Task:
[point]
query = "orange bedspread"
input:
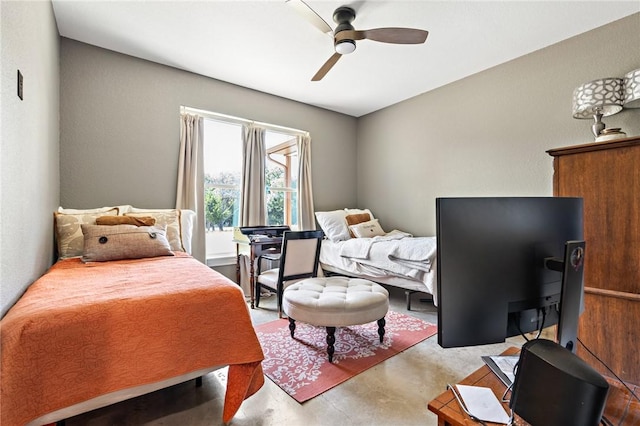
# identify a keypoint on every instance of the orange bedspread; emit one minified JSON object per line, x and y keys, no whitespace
{"x":83,"y":330}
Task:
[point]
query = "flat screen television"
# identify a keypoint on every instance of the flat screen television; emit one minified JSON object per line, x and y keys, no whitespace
{"x":502,"y":266}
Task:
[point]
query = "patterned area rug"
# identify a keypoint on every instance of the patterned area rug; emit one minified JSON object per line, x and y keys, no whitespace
{"x":301,"y":368}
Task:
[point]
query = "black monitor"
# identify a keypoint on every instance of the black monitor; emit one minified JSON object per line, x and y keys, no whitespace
{"x":501,"y":265}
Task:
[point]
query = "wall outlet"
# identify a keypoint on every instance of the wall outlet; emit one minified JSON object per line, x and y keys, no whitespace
{"x":20,"y":85}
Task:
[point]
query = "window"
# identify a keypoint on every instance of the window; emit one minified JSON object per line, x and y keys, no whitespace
{"x":281,"y":179}
{"x":222,"y":151}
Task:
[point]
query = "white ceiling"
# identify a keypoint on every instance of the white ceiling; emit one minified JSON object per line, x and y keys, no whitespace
{"x":267,"y":46}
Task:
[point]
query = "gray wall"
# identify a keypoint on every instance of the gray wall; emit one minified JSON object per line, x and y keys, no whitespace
{"x":486,"y":135}
{"x":119,"y":129}
{"x":29,"y":170}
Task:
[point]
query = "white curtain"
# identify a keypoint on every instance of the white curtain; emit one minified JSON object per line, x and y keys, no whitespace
{"x":245,"y":271}
{"x":306,"y":217}
{"x":253,"y":211}
{"x":190,"y":191}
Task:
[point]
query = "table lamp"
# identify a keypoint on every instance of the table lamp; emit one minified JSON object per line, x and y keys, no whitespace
{"x":597,"y":99}
{"x":632,"y":89}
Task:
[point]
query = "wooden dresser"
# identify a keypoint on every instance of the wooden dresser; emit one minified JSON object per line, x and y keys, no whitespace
{"x":607,"y":176}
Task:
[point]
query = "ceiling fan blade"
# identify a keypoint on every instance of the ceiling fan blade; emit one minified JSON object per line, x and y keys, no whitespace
{"x":310,"y":15}
{"x":326,"y":67}
{"x":386,"y":35}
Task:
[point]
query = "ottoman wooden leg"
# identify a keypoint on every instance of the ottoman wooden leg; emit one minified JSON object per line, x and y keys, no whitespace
{"x":292,"y":326}
{"x":381,"y":324}
{"x":331,"y":339}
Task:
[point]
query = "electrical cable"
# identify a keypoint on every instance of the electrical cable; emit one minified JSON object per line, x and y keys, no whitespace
{"x":624,"y":413}
{"x":605,"y":421}
{"x":504,"y":395}
{"x":544,"y":316}
{"x":464,"y":408}
{"x":519,"y":329}
{"x":540,"y":327}
{"x":610,"y":370}
{"x":626,"y":409}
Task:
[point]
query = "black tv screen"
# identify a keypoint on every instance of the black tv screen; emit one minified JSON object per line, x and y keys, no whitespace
{"x":492,"y":280}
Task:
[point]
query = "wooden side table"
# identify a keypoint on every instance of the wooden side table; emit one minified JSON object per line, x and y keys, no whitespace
{"x":448,"y":410}
{"x":621,"y":408}
{"x":255,"y":249}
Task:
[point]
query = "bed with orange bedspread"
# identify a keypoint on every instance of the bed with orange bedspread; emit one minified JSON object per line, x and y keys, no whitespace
{"x":86,"y":331}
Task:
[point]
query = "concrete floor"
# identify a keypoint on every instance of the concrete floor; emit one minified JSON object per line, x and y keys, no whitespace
{"x":395,"y":392}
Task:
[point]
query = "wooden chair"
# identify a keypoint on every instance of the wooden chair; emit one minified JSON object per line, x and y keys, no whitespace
{"x":298,"y":260}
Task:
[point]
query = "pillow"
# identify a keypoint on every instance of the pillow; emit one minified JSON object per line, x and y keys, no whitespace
{"x":126,"y":220}
{"x":359,"y":211}
{"x":367,"y":229}
{"x":121,"y":210}
{"x":68,"y":230}
{"x":116,"y":242}
{"x":170,"y":218}
{"x":84,"y":211}
{"x":187,"y":220}
{"x":334,"y":224}
{"x":354,"y":219}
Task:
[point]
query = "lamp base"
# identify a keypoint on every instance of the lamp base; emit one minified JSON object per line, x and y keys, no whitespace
{"x":611,"y":134}
{"x":598,"y":126}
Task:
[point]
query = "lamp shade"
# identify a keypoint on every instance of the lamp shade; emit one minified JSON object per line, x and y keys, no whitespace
{"x":604,"y":96}
{"x":632,"y":89}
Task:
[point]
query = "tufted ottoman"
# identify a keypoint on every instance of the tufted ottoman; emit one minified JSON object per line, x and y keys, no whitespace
{"x":335,"y":302}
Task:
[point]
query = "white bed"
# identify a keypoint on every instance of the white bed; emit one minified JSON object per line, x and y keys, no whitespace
{"x":396,"y":258}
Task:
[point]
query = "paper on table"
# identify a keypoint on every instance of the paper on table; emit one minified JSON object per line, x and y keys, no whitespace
{"x":503,"y":367}
{"x":507,"y":365}
{"x":483,"y":404}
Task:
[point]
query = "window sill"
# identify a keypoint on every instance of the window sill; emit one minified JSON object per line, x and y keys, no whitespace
{"x":221,"y":261}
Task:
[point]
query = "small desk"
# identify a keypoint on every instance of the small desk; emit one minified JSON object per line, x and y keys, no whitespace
{"x":620,"y":407}
{"x":254,"y":249}
{"x":449,"y":412}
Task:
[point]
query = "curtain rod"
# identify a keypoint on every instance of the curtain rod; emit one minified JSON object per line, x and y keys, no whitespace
{"x":224,"y":117}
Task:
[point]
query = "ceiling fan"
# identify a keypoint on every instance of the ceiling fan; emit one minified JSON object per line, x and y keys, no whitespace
{"x":345,"y":35}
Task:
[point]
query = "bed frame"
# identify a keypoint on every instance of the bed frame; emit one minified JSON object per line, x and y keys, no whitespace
{"x":85,"y":328}
{"x":410,"y":286}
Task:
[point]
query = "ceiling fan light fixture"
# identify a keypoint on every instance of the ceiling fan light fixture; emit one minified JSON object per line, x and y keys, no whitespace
{"x":345,"y":35}
{"x":344,"y":47}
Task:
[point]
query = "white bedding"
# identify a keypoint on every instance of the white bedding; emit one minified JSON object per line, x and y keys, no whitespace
{"x":418,"y":253}
{"x":396,"y":254}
